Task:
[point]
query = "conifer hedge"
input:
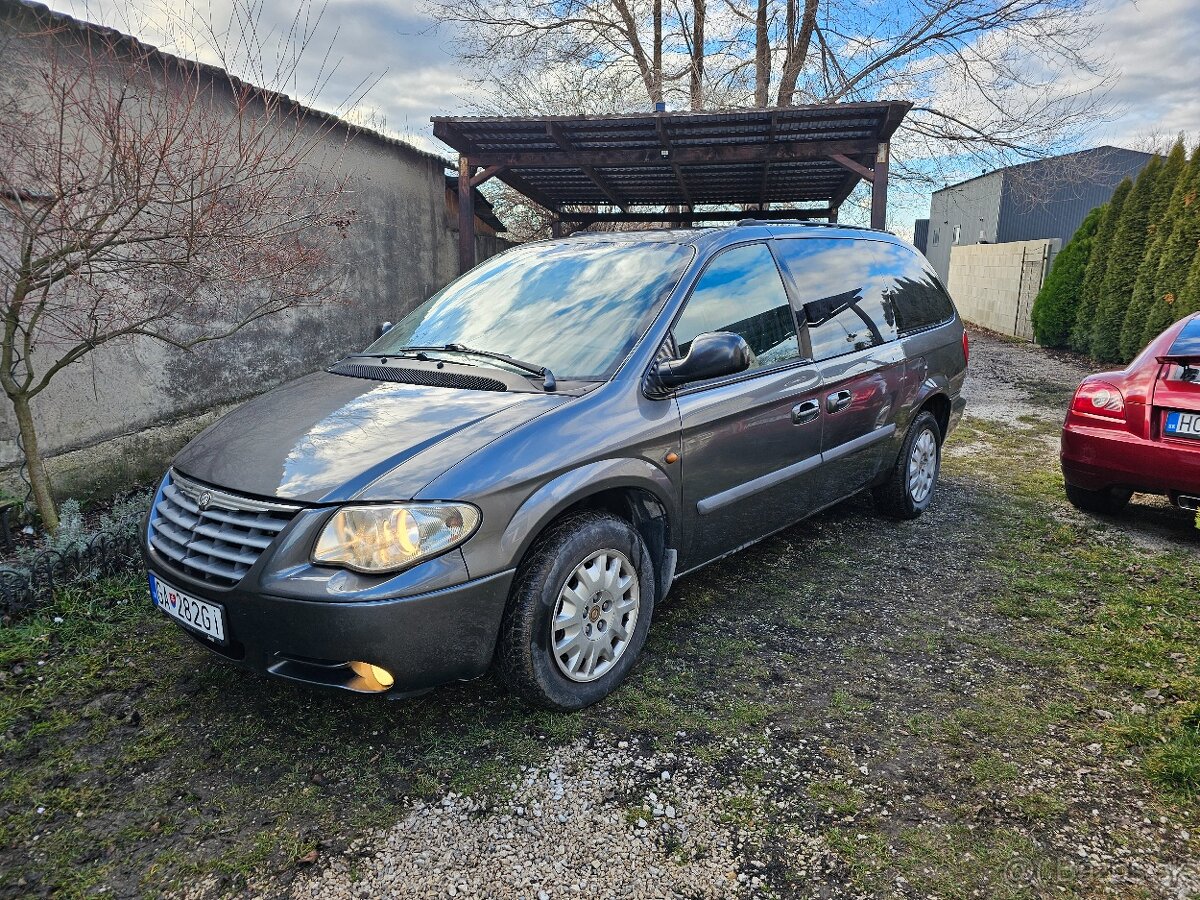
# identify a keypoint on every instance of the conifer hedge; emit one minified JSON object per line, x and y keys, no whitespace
{"x":1058,"y":300}
{"x":1132,"y":268}
{"x":1093,"y":273}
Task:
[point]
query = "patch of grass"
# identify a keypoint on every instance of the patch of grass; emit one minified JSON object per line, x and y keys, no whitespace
{"x":1039,"y":805}
{"x":992,"y":769}
{"x":836,"y":796}
{"x":739,"y":809}
{"x":844,"y":703}
{"x":1115,"y":618}
{"x":1001,"y":863}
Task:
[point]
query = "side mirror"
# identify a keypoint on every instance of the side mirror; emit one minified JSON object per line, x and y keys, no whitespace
{"x":713,"y":354}
{"x":384,"y":328}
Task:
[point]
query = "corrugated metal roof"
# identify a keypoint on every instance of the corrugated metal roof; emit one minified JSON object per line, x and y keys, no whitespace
{"x":687,"y":159}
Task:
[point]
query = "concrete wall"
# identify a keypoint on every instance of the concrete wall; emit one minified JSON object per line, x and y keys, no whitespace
{"x":994,"y":285}
{"x":128,"y":406}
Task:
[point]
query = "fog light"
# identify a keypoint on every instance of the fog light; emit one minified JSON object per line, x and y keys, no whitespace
{"x":377,"y":678}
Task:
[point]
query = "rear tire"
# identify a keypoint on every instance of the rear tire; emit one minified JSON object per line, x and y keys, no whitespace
{"x":1109,"y":501}
{"x":909,"y":489}
{"x":578,"y":613}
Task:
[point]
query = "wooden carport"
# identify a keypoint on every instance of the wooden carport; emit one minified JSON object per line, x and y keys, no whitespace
{"x":684,"y":167}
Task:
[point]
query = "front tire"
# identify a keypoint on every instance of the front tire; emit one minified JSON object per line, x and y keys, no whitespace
{"x":909,"y":489}
{"x":578,"y":613}
{"x":1109,"y":501}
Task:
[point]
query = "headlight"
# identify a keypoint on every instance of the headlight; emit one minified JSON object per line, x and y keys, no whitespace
{"x":387,"y":538}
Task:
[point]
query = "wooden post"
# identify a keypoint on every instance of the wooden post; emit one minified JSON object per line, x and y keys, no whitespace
{"x":466,"y":216}
{"x":556,"y":227}
{"x":879,"y":188}
{"x":833,"y":213}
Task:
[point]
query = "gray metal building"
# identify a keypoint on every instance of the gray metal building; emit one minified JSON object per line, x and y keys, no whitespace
{"x":1046,"y":198}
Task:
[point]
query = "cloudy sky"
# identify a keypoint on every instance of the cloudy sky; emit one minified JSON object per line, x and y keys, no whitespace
{"x":409,"y":64}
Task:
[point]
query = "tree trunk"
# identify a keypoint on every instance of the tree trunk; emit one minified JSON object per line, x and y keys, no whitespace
{"x":700,"y":11}
{"x":762,"y":57}
{"x":658,"y":52}
{"x":797,"y":48}
{"x":39,"y":480}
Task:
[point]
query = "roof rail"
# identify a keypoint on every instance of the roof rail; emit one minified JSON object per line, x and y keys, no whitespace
{"x":809,"y":222}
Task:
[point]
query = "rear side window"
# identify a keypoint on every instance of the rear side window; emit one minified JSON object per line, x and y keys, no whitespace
{"x":919,"y":298}
{"x":846,"y":289}
{"x":741,"y":291}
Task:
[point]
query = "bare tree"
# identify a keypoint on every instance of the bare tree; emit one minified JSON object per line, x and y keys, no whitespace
{"x":145,"y":196}
{"x":992,"y":81}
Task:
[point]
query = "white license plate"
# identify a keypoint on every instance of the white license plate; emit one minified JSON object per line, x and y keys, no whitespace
{"x":199,"y":615}
{"x":1182,"y":424}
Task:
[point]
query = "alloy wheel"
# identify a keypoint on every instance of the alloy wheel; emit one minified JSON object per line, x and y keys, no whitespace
{"x":595,"y":615}
{"x":922,"y":466}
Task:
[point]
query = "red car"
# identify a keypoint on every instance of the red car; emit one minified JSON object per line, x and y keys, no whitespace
{"x":1138,"y":430}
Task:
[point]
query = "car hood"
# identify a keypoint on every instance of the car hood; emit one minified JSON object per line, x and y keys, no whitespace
{"x":330,"y":438}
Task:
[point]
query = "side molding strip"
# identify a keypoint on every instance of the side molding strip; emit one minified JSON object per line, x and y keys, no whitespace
{"x":763,"y":482}
{"x":859,"y":443}
{"x":746,"y":488}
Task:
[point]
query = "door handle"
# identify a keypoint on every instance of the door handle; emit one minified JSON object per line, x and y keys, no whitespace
{"x":805,"y":412}
{"x":838,"y":400}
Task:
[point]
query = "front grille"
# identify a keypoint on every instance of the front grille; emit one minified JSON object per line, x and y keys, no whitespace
{"x":210,"y":534}
{"x":426,"y":377}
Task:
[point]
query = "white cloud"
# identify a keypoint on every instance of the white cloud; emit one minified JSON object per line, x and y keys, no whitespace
{"x":1153,"y":45}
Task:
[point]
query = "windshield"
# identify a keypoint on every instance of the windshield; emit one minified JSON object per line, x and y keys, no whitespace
{"x":575,"y":308}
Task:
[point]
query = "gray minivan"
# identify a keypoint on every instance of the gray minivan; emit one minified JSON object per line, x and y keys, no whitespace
{"x":515,"y":473}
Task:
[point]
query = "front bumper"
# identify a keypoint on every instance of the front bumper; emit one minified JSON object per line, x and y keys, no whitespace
{"x":1096,"y":459}
{"x":423,"y":640}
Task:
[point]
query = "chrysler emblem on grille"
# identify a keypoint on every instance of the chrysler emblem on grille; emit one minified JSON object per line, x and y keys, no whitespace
{"x":205,"y":499}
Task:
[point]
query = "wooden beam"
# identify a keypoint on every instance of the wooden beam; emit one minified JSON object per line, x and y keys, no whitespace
{"x":766,"y":169}
{"x":720,"y":215}
{"x":480,"y":177}
{"x":879,"y":187}
{"x":853,"y":165}
{"x":466,"y":216}
{"x":665,"y":142}
{"x":844,"y":191}
{"x":781,"y":151}
{"x":610,"y":193}
{"x":512,"y":179}
{"x":683,"y":188}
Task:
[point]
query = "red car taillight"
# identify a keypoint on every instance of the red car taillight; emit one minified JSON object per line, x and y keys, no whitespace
{"x":966,"y":348}
{"x":1099,"y":399}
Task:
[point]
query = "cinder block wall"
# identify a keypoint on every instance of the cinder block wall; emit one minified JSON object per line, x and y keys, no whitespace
{"x":994,"y":285}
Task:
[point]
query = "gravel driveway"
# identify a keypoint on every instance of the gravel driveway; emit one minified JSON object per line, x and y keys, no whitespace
{"x":850,"y":783}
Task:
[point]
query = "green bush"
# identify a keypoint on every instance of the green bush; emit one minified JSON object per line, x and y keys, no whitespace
{"x":1058,"y":301}
{"x":1089,"y":293}
{"x":1164,"y":211}
{"x":1124,"y":258}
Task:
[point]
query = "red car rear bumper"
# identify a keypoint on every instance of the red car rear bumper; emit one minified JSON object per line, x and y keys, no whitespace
{"x":1095,"y":458}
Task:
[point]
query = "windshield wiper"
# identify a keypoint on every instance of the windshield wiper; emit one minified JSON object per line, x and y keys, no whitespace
{"x":548,"y":382}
